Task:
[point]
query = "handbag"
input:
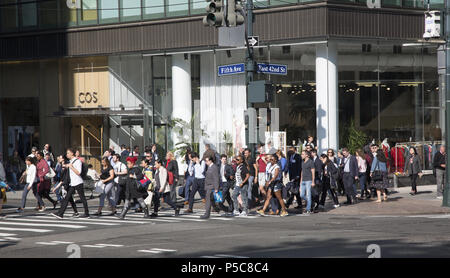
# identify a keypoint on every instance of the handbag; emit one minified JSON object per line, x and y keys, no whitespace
{"x":99,"y":187}
{"x":51,"y":174}
{"x":218,"y":197}
{"x":170,"y":177}
{"x":377,"y":174}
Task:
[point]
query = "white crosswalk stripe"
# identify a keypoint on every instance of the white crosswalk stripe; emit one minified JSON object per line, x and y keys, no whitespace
{"x":218,"y":256}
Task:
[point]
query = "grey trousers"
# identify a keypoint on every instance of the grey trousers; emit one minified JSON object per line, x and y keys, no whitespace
{"x":440,"y":178}
{"x":243,"y":192}
{"x":209,"y":201}
{"x":109,"y":192}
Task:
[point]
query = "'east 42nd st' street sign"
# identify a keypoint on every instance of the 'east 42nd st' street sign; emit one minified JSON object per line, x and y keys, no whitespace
{"x":231,"y":69}
{"x":272,"y":69}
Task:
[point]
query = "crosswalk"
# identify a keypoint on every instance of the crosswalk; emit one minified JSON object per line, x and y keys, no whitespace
{"x":17,"y":226}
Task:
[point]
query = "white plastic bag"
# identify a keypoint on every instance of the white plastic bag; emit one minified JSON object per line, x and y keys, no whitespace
{"x":99,"y":187}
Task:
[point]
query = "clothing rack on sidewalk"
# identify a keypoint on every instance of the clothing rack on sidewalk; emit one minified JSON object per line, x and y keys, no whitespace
{"x":408,"y":145}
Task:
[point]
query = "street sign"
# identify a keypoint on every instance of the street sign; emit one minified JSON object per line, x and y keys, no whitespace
{"x":253,"y":41}
{"x":272,"y":69}
{"x":231,"y":69}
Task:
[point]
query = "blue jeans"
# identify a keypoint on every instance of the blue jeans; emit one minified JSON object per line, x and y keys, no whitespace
{"x":362,"y":181}
{"x":243,"y":192}
{"x":250,"y":187}
{"x":305,"y":189}
{"x":187,"y":187}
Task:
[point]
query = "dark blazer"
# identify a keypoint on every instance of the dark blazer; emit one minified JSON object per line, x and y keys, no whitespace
{"x":438,"y":160}
{"x":318,"y":165}
{"x":415,"y":168}
{"x":131,"y":191}
{"x":173,"y":167}
{"x":212,"y":177}
{"x":354,"y":170}
{"x":229,"y":172}
{"x":295,"y":166}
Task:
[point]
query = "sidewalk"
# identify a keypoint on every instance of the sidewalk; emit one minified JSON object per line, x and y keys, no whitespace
{"x":400,"y":202}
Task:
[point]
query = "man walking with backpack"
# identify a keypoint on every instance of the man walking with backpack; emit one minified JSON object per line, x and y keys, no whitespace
{"x":76,"y":173}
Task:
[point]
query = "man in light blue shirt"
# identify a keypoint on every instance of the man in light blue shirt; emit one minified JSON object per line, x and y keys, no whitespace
{"x":199,"y":181}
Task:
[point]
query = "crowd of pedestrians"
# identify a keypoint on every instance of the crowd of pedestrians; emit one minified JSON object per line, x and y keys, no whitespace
{"x":268,"y":182}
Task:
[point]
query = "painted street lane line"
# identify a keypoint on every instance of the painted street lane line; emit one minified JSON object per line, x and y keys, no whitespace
{"x":66,"y":222}
{"x":109,"y":245}
{"x":25,"y":230}
{"x":93,"y":246}
{"x":149,"y":251}
{"x":7,"y":234}
{"x":163,"y":250}
{"x":43,"y":225}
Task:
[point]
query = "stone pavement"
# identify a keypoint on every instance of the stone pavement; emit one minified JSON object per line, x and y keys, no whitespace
{"x":400,"y":202}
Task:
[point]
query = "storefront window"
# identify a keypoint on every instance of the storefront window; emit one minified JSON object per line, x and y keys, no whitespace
{"x":89,"y":11}
{"x":48,"y":17}
{"x":9,"y":17}
{"x":29,"y":15}
{"x":153,"y":9}
{"x":197,"y":7}
{"x":68,"y":17}
{"x":109,"y":11}
{"x":130,"y":10}
{"x":177,"y":7}
{"x":282,"y":2}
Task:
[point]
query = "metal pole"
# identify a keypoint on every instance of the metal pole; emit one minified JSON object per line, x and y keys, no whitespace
{"x":250,"y":68}
{"x":446,"y":198}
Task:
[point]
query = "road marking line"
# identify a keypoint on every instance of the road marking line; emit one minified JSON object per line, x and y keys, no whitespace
{"x":163,"y":250}
{"x":230,"y":256}
{"x":109,"y":245}
{"x":209,"y":257}
{"x":108,"y":220}
{"x":7,"y":234}
{"x":47,"y":243}
{"x":25,"y":230}
{"x":184,"y":219}
{"x":93,"y":246}
{"x":12,"y":238}
{"x":43,"y":225}
{"x":62,"y":242}
{"x":65,"y":221}
{"x":195,"y":216}
{"x":148,"y":220}
{"x":149,"y":251}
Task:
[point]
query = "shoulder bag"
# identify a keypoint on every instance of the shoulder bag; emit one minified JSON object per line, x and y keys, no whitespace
{"x":377,"y":173}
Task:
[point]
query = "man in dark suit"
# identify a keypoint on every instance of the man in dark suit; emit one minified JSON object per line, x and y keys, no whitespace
{"x":350,"y":166}
{"x":211,"y":185}
{"x":316,"y":190}
{"x":294,"y":170}
{"x":226,"y":183}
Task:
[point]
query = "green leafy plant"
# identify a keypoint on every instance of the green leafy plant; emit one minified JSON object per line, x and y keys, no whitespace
{"x":356,"y":139}
{"x":226,"y":136}
{"x":184,"y":136}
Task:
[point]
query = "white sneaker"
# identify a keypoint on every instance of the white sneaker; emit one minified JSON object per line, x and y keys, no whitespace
{"x":42,"y":209}
{"x":439,"y":197}
{"x":336,"y":206}
{"x":243,"y":214}
{"x":236,"y":213}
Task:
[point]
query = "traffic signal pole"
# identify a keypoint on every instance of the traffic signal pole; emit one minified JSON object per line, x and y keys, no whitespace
{"x":249,"y":56}
{"x":446,"y":197}
{"x":250,"y":67}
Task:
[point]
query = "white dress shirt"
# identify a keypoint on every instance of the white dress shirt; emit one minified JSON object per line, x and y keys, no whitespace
{"x":74,"y":178}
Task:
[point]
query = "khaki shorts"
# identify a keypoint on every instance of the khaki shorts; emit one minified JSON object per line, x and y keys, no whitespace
{"x":261,"y":179}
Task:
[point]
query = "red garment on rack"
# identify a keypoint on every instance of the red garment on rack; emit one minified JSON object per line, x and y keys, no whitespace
{"x":386,"y":153}
{"x":398,"y":159}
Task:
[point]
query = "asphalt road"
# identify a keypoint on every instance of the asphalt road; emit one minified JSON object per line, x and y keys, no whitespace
{"x":38,"y":235}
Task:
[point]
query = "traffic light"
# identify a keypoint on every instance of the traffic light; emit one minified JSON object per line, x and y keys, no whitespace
{"x":215,"y":13}
{"x":235,"y":13}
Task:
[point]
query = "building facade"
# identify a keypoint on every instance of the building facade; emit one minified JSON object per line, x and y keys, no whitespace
{"x":115,"y":72}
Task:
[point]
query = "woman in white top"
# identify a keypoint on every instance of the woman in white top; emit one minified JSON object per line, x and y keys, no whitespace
{"x":30,"y":181}
{"x":362,"y":175}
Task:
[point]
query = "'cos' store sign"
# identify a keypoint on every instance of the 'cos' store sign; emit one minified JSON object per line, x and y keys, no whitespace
{"x":88,"y":97}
